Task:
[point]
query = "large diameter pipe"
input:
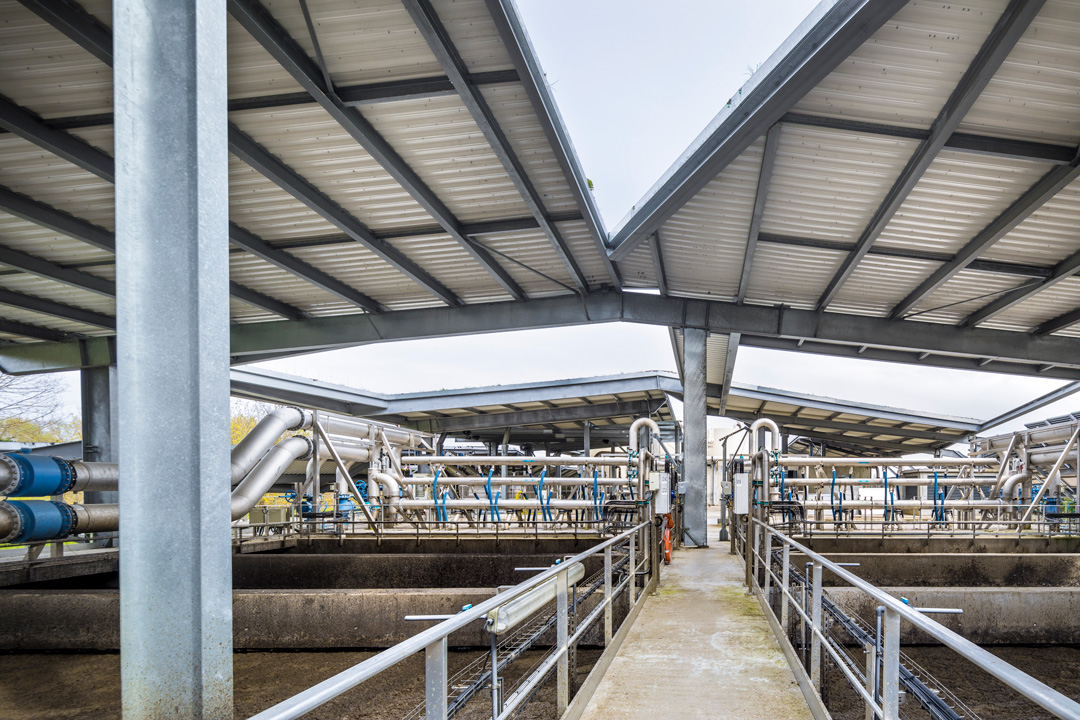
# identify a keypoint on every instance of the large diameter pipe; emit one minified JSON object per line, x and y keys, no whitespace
{"x":885,"y":462}
{"x":40,"y":520}
{"x":774,"y":431}
{"x":868,"y":504}
{"x":481,"y":480}
{"x":350,"y":427}
{"x":1037,"y":436}
{"x":880,"y":482}
{"x":95,"y":476}
{"x":484,"y":504}
{"x":608,"y":461}
{"x":265,"y":433}
{"x":263,"y":476}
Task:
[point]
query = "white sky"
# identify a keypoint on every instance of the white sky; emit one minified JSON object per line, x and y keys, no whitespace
{"x":636,"y":81}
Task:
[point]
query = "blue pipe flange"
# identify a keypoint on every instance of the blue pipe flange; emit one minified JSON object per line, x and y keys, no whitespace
{"x":15,"y":519}
{"x":14,"y":476}
{"x":41,"y":520}
{"x":38,"y":475}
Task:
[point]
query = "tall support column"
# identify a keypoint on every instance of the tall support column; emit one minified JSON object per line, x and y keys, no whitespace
{"x":695,"y":447}
{"x":173,"y":358}
{"x":99,"y":431}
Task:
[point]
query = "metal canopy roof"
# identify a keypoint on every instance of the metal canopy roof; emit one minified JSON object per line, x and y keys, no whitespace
{"x":421,"y":165}
{"x":541,"y":410}
{"x":898,"y":182}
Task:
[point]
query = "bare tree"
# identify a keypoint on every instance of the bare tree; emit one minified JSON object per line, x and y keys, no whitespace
{"x":28,"y":409}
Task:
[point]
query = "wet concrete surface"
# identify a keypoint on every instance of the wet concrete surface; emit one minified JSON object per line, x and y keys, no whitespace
{"x":701,"y":648}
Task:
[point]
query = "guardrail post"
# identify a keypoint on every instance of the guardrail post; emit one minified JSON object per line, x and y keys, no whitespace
{"x":784,"y":614}
{"x":435,"y":677}
{"x":815,"y":641}
{"x":608,"y":599}
{"x":748,"y":556}
{"x":890,"y":676}
{"x":562,"y":623}
{"x":633,"y":569}
{"x":766,"y":562}
{"x":871,"y":673}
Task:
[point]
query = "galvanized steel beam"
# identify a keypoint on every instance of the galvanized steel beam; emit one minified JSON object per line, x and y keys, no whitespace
{"x":961,"y":142}
{"x":266,"y":30}
{"x":695,"y":438}
{"x":768,"y":162}
{"x":836,"y":32}
{"x":439,"y":40}
{"x":172,"y":215}
{"x":1060,"y":322}
{"x":56,"y":309}
{"x":658,"y":264}
{"x":1063,"y":270}
{"x":76,"y":151}
{"x":49,"y":217}
{"x":35,"y":332}
{"x":516,"y":42}
{"x":265,"y":302}
{"x":729,"y":368}
{"x":791,"y":422}
{"x":290,"y":263}
{"x":73,"y":21}
{"x":999,"y":43}
{"x":554,"y":415}
{"x":51,"y":271}
{"x":1042,"y":401}
{"x":1047,"y":187}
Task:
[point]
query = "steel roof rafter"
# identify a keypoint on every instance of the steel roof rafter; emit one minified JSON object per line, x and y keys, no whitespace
{"x":1060,"y":322}
{"x":999,"y":43}
{"x":266,"y":30}
{"x":768,"y":162}
{"x":1063,"y":270}
{"x":516,"y":42}
{"x":1038,"y":194}
{"x":91,"y":36}
{"x":729,"y":368}
{"x":439,"y":41}
{"x":658,"y":264}
{"x":961,"y":142}
{"x":35,"y":332}
{"x":56,"y":309}
{"x":51,"y":271}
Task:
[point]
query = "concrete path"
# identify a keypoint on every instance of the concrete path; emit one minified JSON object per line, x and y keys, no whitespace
{"x":700,"y":648}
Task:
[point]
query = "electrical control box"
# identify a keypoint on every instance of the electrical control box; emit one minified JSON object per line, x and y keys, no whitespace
{"x":654,"y":481}
{"x":741,"y":496}
{"x":662,"y":494}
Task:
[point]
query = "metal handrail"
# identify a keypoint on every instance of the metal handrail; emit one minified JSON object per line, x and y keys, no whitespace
{"x":1031,"y":688}
{"x":345,"y":680}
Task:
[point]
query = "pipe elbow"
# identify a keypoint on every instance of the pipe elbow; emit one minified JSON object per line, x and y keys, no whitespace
{"x":1008,"y":489}
{"x":773,"y":428}
{"x":636,"y":425}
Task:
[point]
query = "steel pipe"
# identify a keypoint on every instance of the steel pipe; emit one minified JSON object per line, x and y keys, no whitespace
{"x":266,"y":432}
{"x":263,"y":476}
{"x":609,"y":461}
{"x":884,"y":462}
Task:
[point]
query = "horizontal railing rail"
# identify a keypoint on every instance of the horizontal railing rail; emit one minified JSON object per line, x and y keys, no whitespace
{"x":895,"y":611}
{"x":433,"y":641}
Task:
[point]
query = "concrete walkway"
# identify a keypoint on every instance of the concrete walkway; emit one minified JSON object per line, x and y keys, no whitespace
{"x":700,"y":648}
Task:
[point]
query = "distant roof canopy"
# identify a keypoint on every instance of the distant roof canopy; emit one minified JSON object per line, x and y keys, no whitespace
{"x":557,"y":411}
{"x":900,"y":181}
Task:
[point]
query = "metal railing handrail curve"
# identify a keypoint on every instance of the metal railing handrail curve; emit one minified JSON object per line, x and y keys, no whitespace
{"x":322,"y":692}
{"x":1035,"y":690}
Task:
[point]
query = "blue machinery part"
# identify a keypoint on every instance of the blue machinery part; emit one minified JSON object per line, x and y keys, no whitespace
{"x":35,"y":475}
{"x":37,"y":520}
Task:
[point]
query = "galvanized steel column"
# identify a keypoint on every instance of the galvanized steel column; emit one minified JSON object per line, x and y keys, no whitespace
{"x":173,"y":358}
{"x":695,"y":448}
{"x":100,"y":437}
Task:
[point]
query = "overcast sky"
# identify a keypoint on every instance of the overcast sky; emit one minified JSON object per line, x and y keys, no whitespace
{"x":636,"y":82}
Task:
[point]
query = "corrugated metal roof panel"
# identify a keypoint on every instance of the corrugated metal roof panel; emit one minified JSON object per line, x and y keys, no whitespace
{"x":582,"y":245}
{"x":531,"y":248}
{"x":964,"y":293}
{"x":262,"y":207}
{"x":1048,"y":236}
{"x":46,"y":178}
{"x":474,"y":34}
{"x":268,"y":279}
{"x":705,"y":241}
{"x":957,"y":197}
{"x":44,"y":71}
{"x":439,"y":140}
{"x":1044,"y":305}
{"x":906,"y":71}
{"x":362,"y":40}
{"x":638,"y":268}
{"x":828,"y":183}
{"x":519,"y":123}
{"x":312,"y":143}
{"x":716,"y":350}
{"x":58,"y":292}
{"x":1034,"y":94}
{"x":35,"y":240}
{"x":879,"y":283}
{"x":795,"y":276}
